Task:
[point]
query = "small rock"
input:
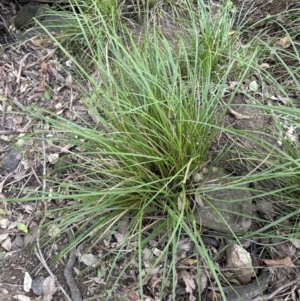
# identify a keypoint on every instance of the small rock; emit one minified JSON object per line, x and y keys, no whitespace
{"x":234,"y":215}
{"x":37,"y":285}
{"x":249,"y":291}
{"x":239,"y":260}
{"x":26,"y":14}
{"x":11,"y":159}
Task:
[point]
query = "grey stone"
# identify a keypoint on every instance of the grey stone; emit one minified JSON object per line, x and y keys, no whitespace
{"x":24,"y":17}
{"x":37,"y":285}
{"x":224,"y":209}
{"x":249,"y":291}
{"x":24,"y":20}
{"x":53,"y":24}
{"x":11,"y":159}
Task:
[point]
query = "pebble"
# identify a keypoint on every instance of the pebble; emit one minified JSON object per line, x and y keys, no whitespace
{"x":11,"y":159}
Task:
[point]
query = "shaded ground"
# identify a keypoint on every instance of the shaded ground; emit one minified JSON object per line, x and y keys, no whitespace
{"x":27,"y":71}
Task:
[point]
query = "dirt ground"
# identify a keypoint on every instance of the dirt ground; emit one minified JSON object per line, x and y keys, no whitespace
{"x":23,"y":74}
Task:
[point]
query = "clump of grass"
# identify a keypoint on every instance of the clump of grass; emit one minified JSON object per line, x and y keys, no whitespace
{"x":159,"y":114}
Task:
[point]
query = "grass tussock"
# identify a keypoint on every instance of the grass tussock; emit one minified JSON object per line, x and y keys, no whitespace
{"x":155,"y":103}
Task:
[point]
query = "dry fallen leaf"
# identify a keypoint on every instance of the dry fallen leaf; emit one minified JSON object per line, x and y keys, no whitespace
{"x":12,"y":225}
{"x":290,"y":134}
{"x":3,"y":236}
{"x":190,"y":261}
{"x":44,"y":67}
{"x":284,"y":262}
{"x":284,"y":100}
{"x":49,"y":288}
{"x":285,"y":42}
{"x":296,"y":243}
{"x":52,"y":158}
{"x":203,"y":280}
{"x":27,"y":282}
{"x":151,"y":270}
{"x":69,"y":81}
{"x":4,"y":223}
{"x":56,"y":74}
{"x":98,"y":280}
{"x":189,"y":284}
{"x":237,"y":115}
{"x":53,"y":230}
{"x":119,"y":237}
{"x":24,"y":88}
{"x":6,"y":244}
{"x":179,"y":202}
{"x":199,"y":201}
{"x":157,"y":252}
{"x":184,"y":245}
{"x":147,"y":254}
{"x":22,"y":298}
{"x":264,"y":65}
{"x":253,"y":86}
{"x":89,"y":260}
{"x":131,"y":295}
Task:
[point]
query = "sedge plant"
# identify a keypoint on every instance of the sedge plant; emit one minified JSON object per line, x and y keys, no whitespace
{"x":156,"y":114}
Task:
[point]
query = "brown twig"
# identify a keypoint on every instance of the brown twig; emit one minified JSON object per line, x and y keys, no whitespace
{"x":75,"y":292}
